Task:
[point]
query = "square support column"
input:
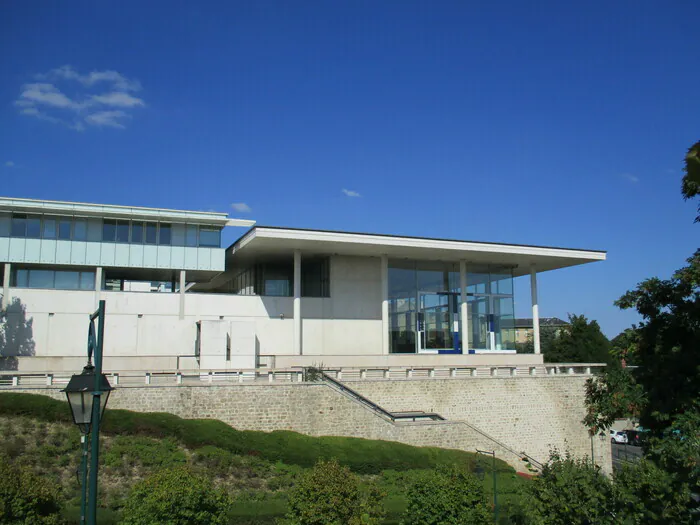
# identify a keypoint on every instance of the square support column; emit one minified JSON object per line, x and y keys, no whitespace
{"x":297,"y":302}
{"x":6,"y":286}
{"x":463,"y":313}
{"x":386,"y":342}
{"x":535,"y":309}
{"x":183,"y":285}
{"x":98,"y":286}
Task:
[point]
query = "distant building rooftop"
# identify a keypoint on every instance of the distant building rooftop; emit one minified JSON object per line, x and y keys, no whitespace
{"x":526,"y":322}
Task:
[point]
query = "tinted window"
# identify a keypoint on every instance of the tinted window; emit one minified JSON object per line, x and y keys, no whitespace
{"x":209,"y":237}
{"x":109,"y":230}
{"x":165,"y":234}
{"x":191,"y":235}
{"x":136,"y":232}
{"x":49,"y":229}
{"x":122,"y":231}
{"x":19,"y":226}
{"x":40,"y":279}
{"x":151,"y":233}
{"x":22,"y":278}
{"x":80,"y":230}
{"x":67,"y":280}
{"x":87,"y":281}
{"x":64,"y":229}
{"x":33,"y":227}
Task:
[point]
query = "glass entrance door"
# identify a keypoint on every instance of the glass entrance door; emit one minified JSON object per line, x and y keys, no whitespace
{"x":438,"y":323}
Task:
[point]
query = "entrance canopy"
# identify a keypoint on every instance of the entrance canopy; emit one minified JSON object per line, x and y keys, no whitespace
{"x":270,"y":241}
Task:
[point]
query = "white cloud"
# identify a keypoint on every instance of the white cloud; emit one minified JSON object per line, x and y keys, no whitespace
{"x":73,"y":105}
{"x":9,"y":164}
{"x":630,"y":177}
{"x":241,"y":207}
{"x":351,"y":193}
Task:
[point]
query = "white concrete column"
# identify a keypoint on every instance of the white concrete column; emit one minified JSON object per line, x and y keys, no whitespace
{"x":98,"y":286}
{"x":6,"y":286}
{"x":386,"y":342}
{"x":535,"y":309}
{"x":297,"y":302}
{"x":183,"y":284}
{"x":463,"y":306}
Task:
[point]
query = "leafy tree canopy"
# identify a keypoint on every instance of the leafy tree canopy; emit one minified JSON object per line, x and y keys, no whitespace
{"x":582,"y":342}
{"x":690,"y":186}
{"x":27,"y":498}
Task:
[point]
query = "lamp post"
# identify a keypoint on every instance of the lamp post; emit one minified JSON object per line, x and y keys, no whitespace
{"x":492,"y":453}
{"x":87,"y":395}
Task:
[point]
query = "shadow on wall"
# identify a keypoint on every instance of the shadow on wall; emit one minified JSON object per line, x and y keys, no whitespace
{"x":16,"y":335}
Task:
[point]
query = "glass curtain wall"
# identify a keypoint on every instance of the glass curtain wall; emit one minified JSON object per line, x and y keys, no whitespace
{"x":491,"y":309}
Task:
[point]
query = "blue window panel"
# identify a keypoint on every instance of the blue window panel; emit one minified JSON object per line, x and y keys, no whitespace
{"x":94,"y":230}
{"x":48,"y":252}
{"x":121,"y":255}
{"x":4,"y":225}
{"x":164,"y":256}
{"x":4,"y":248}
{"x":218,"y":260}
{"x":136,"y":255}
{"x":34,"y":226}
{"x":210,"y":237}
{"x":178,"y":234}
{"x":41,"y":278}
{"x":137,"y":232}
{"x":64,"y":228}
{"x":190,"y":258}
{"x":63,"y":253}
{"x":150,"y":256}
{"x":21,"y":278}
{"x":87,"y":280}
{"x":107,"y":254}
{"x":32,"y":250}
{"x":80,"y":230}
{"x":67,"y":280}
{"x":204,"y":258}
{"x":92,"y":252}
{"x":191,"y":235}
{"x":17,"y":245}
{"x":177,"y":257}
{"x":48,"y":230}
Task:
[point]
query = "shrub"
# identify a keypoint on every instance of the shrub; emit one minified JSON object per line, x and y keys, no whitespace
{"x":447,"y":496}
{"x":147,"y":452}
{"x":26,"y":497}
{"x":176,"y":497}
{"x":329,"y":494}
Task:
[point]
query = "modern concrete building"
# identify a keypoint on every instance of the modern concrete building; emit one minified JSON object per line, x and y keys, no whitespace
{"x":278,"y":297}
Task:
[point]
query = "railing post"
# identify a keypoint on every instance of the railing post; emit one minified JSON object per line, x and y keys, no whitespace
{"x":363,"y":373}
{"x":300,"y":376}
{"x":409,"y":373}
{"x":115,"y":378}
{"x":178,"y":378}
{"x":513,"y":372}
{"x":210,"y":377}
{"x":49,"y":379}
{"x":240,"y":376}
{"x":571,"y":370}
{"x":431,"y":373}
{"x":339,"y":375}
{"x":148,"y":378}
{"x":15,"y":380}
{"x":270,"y":376}
{"x":453,"y":372}
{"x":588,"y":370}
{"x":473,"y":372}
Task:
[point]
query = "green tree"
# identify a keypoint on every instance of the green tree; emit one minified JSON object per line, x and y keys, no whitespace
{"x":176,"y":496}
{"x":690,"y":187}
{"x":570,"y":491}
{"x":26,"y":498}
{"x":614,"y":394}
{"x":330,"y":494}
{"x":581,"y":342}
{"x":447,"y":496}
{"x":16,"y":334}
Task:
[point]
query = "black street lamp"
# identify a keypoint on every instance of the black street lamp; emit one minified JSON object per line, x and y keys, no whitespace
{"x":87,"y":395}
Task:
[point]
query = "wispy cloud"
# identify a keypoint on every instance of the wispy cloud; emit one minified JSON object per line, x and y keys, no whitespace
{"x":241,"y":207}
{"x":632,"y":178}
{"x":74,"y":103}
{"x":9,"y":164}
{"x":351,"y":193}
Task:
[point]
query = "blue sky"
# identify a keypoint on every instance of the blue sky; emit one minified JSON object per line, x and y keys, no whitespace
{"x":564,"y":125}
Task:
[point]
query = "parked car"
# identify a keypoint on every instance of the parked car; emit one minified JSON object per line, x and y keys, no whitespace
{"x":618,"y":436}
{"x":636,"y":437}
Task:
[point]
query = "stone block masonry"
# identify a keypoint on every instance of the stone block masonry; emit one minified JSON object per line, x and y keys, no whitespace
{"x":498,"y":408}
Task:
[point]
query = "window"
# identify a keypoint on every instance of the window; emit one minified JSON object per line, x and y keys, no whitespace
{"x":54,"y":279}
{"x":122,"y":231}
{"x":209,"y":237}
{"x":165,"y":234}
{"x":87,"y":280}
{"x":19,"y":225}
{"x":315,"y":278}
{"x":34,"y":226}
{"x":41,"y":278}
{"x":151,"y":232}
{"x":274,"y":279}
{"x":137,"y":232}
{"x":21,"y":278}
{"x":191,"y":235}
{"x":49,"y":229}
{"x":64,"y":227}
{"x":80,"y":230}
{"x":67,"y":280}
{"x":109,"y":230}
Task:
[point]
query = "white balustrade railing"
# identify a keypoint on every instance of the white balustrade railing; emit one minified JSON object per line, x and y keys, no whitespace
{"x":14,"y":380}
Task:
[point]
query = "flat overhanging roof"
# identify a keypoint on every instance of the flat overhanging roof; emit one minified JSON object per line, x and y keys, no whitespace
{"x":263,"y":241}
{"x":81,"y":209}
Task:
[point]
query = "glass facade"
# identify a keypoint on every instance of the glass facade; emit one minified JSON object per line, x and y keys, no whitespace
{"x":424,"y":308}
{"x":53,"y":279}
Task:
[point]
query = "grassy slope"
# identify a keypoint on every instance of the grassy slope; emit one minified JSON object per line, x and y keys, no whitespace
{"x":257,"y":467}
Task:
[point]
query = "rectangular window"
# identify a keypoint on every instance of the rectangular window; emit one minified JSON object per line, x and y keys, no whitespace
{"x":151,"y":232}
{"x":49,"y":229}
{"x":21,"y":278}
{"x":80,"y":230}
{"x":66,"y":280}
{"x":191,"y":235}
{"x":137,"y":232}
{"x":122,"y":231}
{"x":315,"y":277}
{"x":64,"y":226}
{"x":33,"y":226}
{"x":41,"y":279}
{"x":165,"y":234}
{"x":19,"y":225}
{"x":87,"y":280}
{"x":210,"y":237}
{"x":109,"y":230}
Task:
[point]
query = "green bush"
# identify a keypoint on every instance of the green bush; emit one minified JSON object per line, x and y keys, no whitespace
{"x":329,"y":494}
{"x":27,"y":498}
{"x":176,"y":497}
{"x":446,"y":495}
{"x":148,"y":452}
